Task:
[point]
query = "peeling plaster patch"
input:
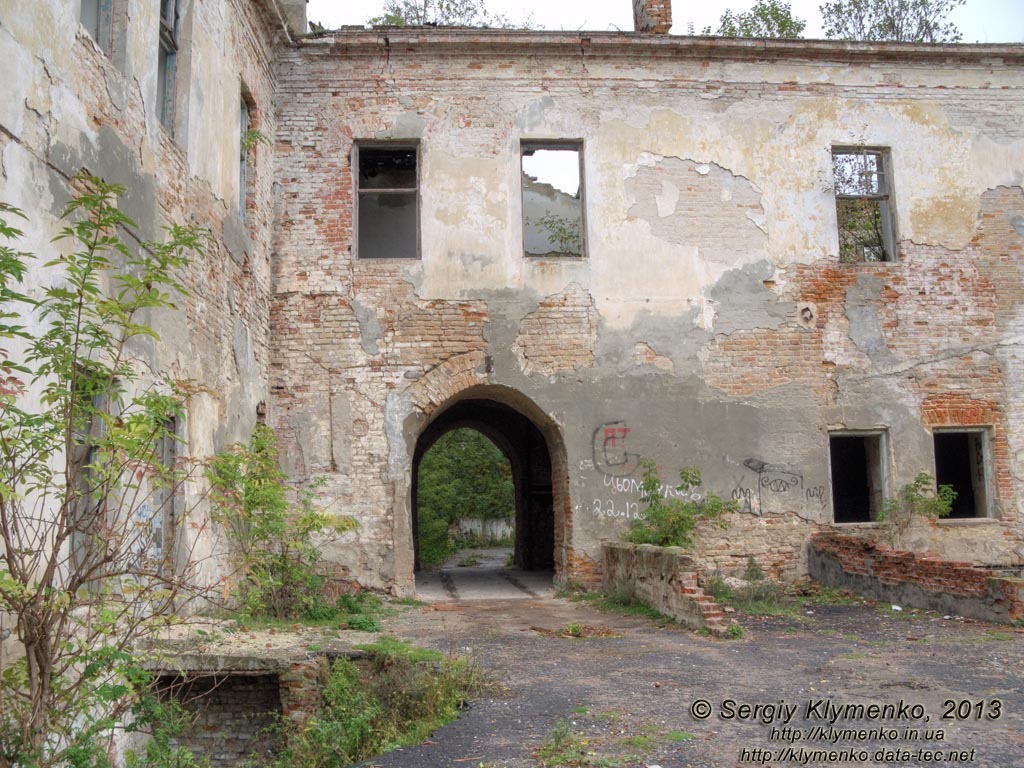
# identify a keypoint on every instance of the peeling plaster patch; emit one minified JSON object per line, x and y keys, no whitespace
{"x":111,"y":158}
{"x":396,"y":409}
{"x":370,"y":330}
{"x":744,"y":302}
{"x":236,"y":238}
{"x":645,"y":354}
{"x":863,"y":305}
{"x":15,"y":83}
{"x":667,"y":199}
{"x":706,"y":314}
{"x":560,"y":335}
{"x":645,"y":160}
{"x":341,"y":425}
{"x":408,"y":125}
{"x":117,"y":89}
{"x":712,"y":209}
{"x":244,"y":353}
{"x":533,"y":114}
{"x":1017,"y":222}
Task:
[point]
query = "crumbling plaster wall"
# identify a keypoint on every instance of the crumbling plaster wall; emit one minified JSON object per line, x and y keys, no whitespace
{"x":710,"y":323}
{"x":66,"y":105}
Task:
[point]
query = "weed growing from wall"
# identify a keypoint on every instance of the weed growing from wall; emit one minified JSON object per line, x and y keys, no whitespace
{"x":671,"y":522}
{"x":919,"y":498}
{"x":276,"y":540}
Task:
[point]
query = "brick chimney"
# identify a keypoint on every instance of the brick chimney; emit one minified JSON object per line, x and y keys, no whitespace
{"x":652,"y":16}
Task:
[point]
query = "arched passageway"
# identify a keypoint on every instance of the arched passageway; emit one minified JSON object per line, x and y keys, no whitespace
{"x":526,"y":448}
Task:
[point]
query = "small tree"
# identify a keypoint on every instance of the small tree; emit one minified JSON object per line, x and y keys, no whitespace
{"x":275,"y":541}
{"x":86,"y":569}
{"x":443,"y":13}
{"x":767,"y":18}
{"x":903,"y":21}
{"x":919,"y":498}
{"x":671,"y":522}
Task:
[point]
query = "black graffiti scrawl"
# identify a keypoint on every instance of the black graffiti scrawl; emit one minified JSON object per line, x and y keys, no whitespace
{"x":772,"y":479}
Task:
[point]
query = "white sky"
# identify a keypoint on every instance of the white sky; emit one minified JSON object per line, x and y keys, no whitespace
{"x":559,"y":168}
{"x":981,"y":21}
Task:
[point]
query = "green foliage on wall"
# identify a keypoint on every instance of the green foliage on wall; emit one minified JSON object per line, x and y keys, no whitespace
{"x":276,"y":541}
{"x":671,"y":522}
{"x":462,"y":476}
{"x":87,"y":566}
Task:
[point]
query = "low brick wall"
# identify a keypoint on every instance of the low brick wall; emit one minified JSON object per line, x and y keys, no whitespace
{"x":237,"y":702}
{"x":907,"y":578}
{"x":233,"y":715}
{"x":663,"y":578}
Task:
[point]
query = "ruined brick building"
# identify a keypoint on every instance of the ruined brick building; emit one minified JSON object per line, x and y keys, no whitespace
{"x":796,"y":265}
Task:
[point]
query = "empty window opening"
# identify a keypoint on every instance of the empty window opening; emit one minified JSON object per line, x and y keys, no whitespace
{"x":87,"y":514}
{"x":387,"y":201}
{"x":167,"y":63}
{"x":553,"y":211}
{"x":961,"y":461}
{"x":159,"y":517}
{"x":864,"y":205}
{"x":106,"y":21}
{"x":245,"y":144}
{"x":858,"y":477}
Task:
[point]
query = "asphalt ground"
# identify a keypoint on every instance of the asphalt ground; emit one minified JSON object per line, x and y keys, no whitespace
{"x":847,"y":685}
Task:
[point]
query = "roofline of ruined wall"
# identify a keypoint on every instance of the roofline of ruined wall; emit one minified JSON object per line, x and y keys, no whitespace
{"x":474,"y":41}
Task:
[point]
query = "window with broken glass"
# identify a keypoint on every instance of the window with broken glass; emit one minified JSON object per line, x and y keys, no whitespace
{"x":387,"y":201}
{"x":167,"y":63}
{"x":553,"y":209}
{"x":864,"y":212}
{"x":244,"y":145}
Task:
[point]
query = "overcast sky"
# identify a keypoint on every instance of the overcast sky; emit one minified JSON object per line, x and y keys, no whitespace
{"x":982,"y":21}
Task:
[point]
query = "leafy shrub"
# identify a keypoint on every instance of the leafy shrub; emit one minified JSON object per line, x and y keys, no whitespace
{"x":399,"y":698}
{"x":670,"y":522}
{"x":85,"y":560}
{"x":276,"y":541}
{"x":165,"y":722}
{"x":917,"y":498}
{"x":362,"y":622}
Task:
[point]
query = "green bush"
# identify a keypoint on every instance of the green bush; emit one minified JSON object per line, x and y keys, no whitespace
{"x":276,"y":541}
{"x":917,"y":498}
{"x":671,"y":522}
{"x":400,"y":697}
{"x":85,"y":433}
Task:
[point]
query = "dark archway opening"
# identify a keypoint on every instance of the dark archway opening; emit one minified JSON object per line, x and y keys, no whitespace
{"x":521,"y":441}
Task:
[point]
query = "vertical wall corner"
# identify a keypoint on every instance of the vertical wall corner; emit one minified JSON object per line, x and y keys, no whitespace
{"x":652,"y":16}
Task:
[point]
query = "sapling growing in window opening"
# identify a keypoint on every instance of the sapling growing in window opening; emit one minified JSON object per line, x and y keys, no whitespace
{"x":917,"y":498}
{"x":672,"y":522}
{"x":89,"y":565}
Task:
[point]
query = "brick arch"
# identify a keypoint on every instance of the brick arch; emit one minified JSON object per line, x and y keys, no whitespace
{"x":456,"y":394}
{"x":444,"y":382}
